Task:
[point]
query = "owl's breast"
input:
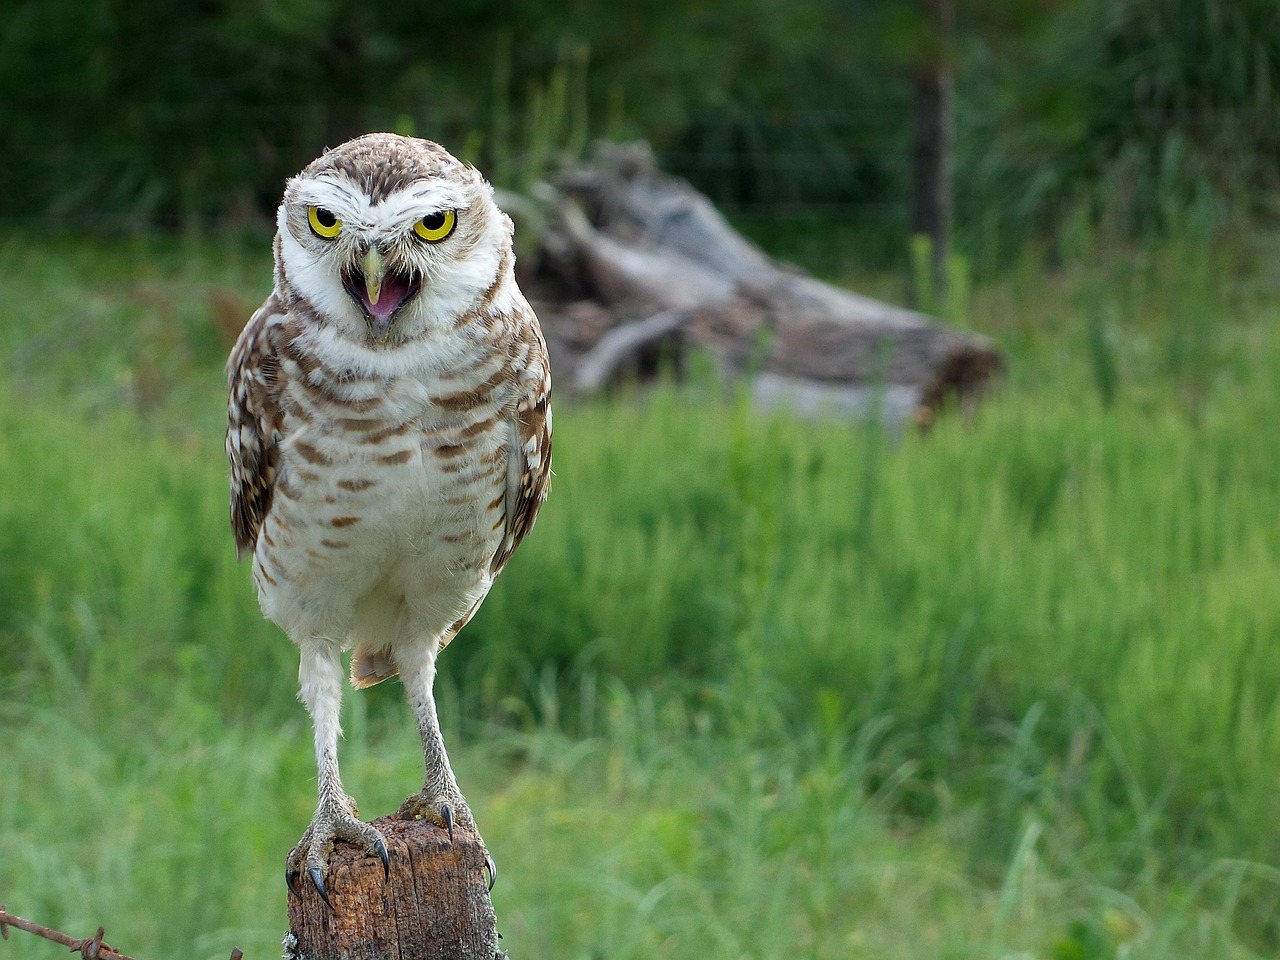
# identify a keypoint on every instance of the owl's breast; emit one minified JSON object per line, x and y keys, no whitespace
{"x":399,"y":493}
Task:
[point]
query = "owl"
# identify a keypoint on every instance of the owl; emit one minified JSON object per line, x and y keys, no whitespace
{"x":389,"y":432}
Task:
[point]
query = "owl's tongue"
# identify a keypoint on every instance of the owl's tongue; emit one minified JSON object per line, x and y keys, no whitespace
{"x":395,"y":289}
{"x":380,"y":292}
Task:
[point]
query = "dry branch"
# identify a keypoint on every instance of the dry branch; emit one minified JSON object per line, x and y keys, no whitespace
{"x":601,"y":363}
{"x":90,"y":948}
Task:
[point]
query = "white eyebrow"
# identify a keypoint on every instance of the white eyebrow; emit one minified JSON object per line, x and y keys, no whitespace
{"x":330,"y":192}
{"x":424,"y":197}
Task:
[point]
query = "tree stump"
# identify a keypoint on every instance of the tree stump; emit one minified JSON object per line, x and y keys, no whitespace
{"x":434,"y":905}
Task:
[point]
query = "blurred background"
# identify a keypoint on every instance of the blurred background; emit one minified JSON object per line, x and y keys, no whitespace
{"x":756,"y":686}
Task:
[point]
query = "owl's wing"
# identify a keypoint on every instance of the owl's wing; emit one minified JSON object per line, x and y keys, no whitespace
{"x":254,"y":420}
{"x":529,"y":453}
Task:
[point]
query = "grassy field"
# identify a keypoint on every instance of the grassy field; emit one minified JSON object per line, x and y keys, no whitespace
{"x":754,"y":688}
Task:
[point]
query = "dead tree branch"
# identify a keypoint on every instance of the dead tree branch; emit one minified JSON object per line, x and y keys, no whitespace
{"x":637,"y":268}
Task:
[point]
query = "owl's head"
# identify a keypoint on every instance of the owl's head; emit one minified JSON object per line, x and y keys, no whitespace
{"x":388,"y":237}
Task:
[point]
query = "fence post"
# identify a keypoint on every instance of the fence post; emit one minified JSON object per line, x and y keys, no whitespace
{"x":434,"y":904}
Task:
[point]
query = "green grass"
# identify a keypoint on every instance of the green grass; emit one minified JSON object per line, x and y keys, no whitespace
{"x":755,"y":687}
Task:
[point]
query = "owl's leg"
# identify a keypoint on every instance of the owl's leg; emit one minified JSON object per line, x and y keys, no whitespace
{"x":440,"y":800}
{"x":320,"y":677}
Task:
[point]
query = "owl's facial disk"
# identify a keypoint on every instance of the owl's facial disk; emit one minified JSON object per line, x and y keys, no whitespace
{"x":378,"y":291}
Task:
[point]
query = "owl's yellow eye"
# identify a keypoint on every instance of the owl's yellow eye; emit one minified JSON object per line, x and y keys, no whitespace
{"x":323,"y":222}
{"x":436,"y":226}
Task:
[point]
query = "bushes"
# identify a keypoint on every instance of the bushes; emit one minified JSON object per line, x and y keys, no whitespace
{"x":1132,"y":113}
{"x":176,"y":114}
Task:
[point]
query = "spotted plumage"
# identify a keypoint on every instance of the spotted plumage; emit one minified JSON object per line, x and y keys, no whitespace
{"x":389,"y":431}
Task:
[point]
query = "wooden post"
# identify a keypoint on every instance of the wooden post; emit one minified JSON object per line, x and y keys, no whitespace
{"x":931,"y":144}
{"x":434,"y":905}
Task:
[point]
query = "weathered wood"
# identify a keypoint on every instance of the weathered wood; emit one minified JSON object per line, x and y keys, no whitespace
{"x":635,"y":259}
{"x":434,"y":905}
{"x":602,"y":363}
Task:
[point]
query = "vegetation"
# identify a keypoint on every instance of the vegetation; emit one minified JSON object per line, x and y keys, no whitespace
{"x":1010,"y":688}
{"x":180,"y":115}
{"x":755,"y":687}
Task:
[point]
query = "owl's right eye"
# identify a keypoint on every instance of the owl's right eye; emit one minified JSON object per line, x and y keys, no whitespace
{"x":323,"y":222}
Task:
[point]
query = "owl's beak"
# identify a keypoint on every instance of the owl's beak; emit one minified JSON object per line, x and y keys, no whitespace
{"x":378,"y":290}
{"x":374,"y":270}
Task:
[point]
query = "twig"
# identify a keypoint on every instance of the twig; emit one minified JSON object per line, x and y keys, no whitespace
{"x":602,"y":361}
{"x":90,"y":948}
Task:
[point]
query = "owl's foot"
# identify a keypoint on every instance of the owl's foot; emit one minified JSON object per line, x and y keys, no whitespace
{"x":446,"y":814}
{"x":333,"y":821}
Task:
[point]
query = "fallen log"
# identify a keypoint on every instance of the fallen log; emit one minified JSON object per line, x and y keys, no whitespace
{"x":602,"y":363}
{"x":637,"y":262}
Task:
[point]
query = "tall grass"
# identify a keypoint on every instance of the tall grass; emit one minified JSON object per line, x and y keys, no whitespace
{"x":754,"y":687}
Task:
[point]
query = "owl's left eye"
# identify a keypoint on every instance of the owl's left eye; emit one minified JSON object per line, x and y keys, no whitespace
{"x":436,"y":226}
{"x":323,"y":222}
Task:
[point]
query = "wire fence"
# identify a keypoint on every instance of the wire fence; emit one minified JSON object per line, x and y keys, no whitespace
{"x":848,"y":163}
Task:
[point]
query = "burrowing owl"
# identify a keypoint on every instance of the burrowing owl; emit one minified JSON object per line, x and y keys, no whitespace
{"x":389,"y":431}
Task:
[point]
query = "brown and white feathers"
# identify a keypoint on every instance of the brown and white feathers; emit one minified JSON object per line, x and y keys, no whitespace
{"x":389,"y":425}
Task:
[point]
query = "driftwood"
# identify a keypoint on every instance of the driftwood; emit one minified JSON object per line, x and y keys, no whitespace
{"x":637,"y":266}
{"x":434,"y":905}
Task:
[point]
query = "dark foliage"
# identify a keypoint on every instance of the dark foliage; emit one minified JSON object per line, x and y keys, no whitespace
{"x":174,"y":113}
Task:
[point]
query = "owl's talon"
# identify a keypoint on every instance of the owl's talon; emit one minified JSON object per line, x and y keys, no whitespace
{"x":291,"y":881}
{"x":381,"y":850}
{"x":446,"y":812}
{"x":493,"y":871}
{"x":317,"y":879}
